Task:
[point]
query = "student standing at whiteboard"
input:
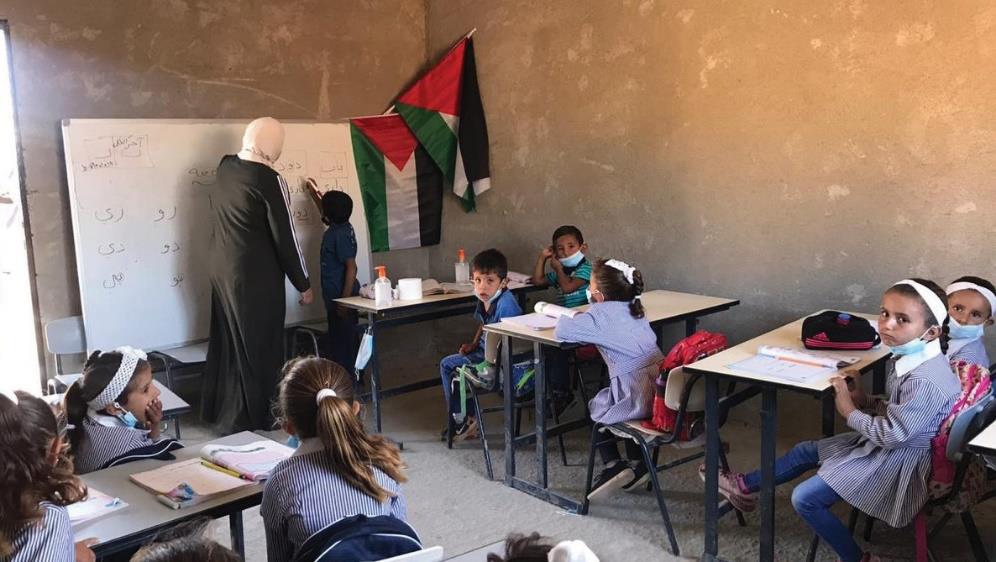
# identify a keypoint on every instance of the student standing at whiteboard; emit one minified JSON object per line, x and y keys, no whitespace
{"x":253,"y":246}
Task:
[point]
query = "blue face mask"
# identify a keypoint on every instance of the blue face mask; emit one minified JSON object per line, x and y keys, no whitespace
{"x":127,"y":417}
{"x":909,"y":348}
{"x":365,"y":352}
{"x":293,"y":442}
{"x":495,"y":296}
{"x":587,"y":295}
{"x":572,"y":260}
{"x":959,"y":332}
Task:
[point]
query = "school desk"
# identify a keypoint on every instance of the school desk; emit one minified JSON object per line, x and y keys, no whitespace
{"x":401,"y":312}
{"x":716,"y":368}
{"x":985,"y":442}
{"x":662,"y":307}
{"x":144,"y":517}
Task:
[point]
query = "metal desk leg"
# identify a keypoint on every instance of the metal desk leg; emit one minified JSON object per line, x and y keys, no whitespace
{"x":829,"y":415}
{"x":375,"y":370}
{"x":712,"y":468}
{"x":691,"y":325}
{"x":509,"y":394}
{"x":540,"y":394}
{"x":769,"y":419}
{"x":238,"y":538}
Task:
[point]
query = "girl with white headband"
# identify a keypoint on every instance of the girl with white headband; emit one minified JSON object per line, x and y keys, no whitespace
{"x":615,"y":323}
{"x":971,"y":303}
{"x":881,"y":467}
{"x":337,"y":471}
{"x":36,"y":485}
{"x":115,"y":413}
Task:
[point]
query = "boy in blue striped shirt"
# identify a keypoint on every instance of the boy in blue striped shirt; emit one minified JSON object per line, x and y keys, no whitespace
{"x":570,"y":275}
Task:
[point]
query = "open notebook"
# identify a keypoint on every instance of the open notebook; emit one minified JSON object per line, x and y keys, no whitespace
{"x":190,"y":482}
{"x":97,"y":504}
{"x":254,"y":461}
{"x":545,"y":317}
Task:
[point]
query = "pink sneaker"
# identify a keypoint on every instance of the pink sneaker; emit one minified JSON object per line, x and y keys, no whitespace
{"x":729,"y":486}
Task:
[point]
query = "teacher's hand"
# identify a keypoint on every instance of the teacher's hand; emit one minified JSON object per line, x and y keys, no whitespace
{"x":306,"y":298}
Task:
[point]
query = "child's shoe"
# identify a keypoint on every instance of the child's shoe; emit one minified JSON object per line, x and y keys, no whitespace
{"x":729,"y":487}
{"x":640,"y":478}
{"x":467,"y":430}
{"x":615,"y":475}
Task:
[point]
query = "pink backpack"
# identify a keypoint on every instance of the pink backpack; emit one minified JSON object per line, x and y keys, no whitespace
{"x":975,"y":384}
{"x":689,"y":350}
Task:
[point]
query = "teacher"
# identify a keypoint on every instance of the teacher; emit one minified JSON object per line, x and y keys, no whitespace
{"x":253,"y":246}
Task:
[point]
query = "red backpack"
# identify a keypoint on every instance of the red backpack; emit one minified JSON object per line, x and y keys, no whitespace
{"x":689,"y":350}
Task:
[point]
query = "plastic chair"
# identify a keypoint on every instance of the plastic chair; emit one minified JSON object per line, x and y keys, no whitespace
{"x":649,"y":441}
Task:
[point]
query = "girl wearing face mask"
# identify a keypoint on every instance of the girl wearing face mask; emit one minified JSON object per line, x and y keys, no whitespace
{"x":882,"y":467}
{"x":115,"y":413}
{"x":616,"y":325}
{"x":971,"y":302}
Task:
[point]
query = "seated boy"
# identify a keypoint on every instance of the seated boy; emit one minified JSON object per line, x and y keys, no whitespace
{"x":570,"y":275}
{"x":489,"y":273}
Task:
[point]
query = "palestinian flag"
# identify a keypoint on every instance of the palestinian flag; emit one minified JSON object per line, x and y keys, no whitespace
{"x":401,"y":186}
{"x":443,"y":108}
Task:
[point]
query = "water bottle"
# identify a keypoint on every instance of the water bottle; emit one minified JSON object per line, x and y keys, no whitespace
{"x":383,"y":294}
{"x":461,"y":268}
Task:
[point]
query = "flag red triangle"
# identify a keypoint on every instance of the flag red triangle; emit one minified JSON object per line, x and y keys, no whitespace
{"x":439,"y":88}
{"x":390,"y":135}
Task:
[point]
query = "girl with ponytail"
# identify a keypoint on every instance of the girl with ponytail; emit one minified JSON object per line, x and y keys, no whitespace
{"x":616,"y":324}
{"x":337,"y":471}
{"x":36,"y":483}
{"x":114,"y":412}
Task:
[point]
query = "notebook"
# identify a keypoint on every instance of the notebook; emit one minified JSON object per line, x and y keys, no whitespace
{"x":544,"y":318}
{"x":97,"y":504}
{"x":254,"y":461}
{"x":184,"y":483}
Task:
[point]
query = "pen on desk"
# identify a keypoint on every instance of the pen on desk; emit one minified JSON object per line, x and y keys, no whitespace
{"x":167,"y":502}
{"x":221,"y":469}
{"x":799,"y":361}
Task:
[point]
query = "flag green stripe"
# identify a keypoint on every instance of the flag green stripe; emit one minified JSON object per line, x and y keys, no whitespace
{"x":435,"y":135}
{"x":373,"y":189}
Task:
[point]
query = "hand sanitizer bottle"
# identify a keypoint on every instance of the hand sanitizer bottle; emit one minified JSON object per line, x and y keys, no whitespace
{"x":462,"y":268}
{"x":383,"y":295}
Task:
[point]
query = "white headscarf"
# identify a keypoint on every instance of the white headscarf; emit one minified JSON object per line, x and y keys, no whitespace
{"x":263,"y":141}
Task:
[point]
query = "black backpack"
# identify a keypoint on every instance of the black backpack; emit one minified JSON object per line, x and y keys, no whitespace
{"x":833,"y":329}
{"x":359,"y":539}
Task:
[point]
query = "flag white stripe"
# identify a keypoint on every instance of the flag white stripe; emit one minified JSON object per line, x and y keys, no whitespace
{"x":403,"y":227}
{"x":460,"y":183}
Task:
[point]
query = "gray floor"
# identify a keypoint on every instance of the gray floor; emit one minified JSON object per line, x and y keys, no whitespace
{"x":452,"y":504}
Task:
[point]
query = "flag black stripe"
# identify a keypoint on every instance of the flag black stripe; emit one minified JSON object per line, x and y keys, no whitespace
{"x":473,"y":127}
{"x":430,"y":197}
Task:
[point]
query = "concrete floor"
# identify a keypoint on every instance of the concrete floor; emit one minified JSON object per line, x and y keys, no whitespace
{"x":452,"y":504}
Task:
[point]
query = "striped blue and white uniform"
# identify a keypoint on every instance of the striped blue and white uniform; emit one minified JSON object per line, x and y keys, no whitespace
{"x":106,"y":439}
{"x":304,"y":495}
{"x":883,"y":466}
{"x":972,"y":350}
{"x":629,"y":347}
{"x":50,"y":539}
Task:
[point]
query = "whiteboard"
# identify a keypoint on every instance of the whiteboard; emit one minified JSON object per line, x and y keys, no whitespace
{"x":139,"y":197}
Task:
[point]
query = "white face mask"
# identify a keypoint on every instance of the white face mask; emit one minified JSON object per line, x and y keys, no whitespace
{"x":573,"y":260}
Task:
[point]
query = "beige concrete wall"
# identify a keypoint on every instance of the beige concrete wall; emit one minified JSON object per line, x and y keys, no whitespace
{"x":793,"y":154}
{"x":191,"y":59}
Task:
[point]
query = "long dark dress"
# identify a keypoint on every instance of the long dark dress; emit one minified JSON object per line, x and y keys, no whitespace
{"x":252,"y":248}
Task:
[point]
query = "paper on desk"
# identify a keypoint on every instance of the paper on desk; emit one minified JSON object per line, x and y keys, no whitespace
{"x":533,"y":321}
{"x":97,"y":504}
{"x":777,"y":368}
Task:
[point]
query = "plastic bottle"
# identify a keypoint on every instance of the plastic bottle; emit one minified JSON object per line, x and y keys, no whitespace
{"x":461,"y":268}
{"x":383,"y":294}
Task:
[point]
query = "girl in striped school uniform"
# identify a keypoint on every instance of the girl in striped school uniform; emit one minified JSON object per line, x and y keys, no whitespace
{"x":615,"y":323}
{"x":337,"y":470}
{"x":115,"y":413}
{"x":971,"y":304}
{"x":36,"y":483}
{"x":883,"y":466}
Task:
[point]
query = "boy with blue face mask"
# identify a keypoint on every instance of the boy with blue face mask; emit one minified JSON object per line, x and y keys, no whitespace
{"x":971,"y":303}
{"x":570,"y":276}
{"x":489,"y":273}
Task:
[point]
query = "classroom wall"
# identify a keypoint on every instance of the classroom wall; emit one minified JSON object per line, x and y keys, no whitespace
{"x":793,"y":154}
{"x":184,"y":59}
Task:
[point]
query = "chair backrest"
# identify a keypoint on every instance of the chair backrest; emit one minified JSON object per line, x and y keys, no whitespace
{"x":434,"y":554}
{"x":65,"y":336}
{"x":968,"y":424}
